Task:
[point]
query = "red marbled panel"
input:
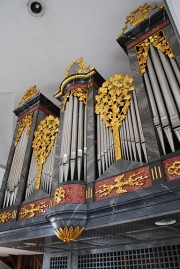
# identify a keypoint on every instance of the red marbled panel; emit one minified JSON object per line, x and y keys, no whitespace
{"x":74,"y":194}
{"x":172,"y":170}
{"x":33,"y":209}
{"x":147,"y":182}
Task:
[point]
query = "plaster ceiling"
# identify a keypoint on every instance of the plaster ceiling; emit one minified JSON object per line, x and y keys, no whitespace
{"x":37,"y":50}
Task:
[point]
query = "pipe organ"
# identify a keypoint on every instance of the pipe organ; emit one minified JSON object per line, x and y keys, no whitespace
{"x":155,"y":66}
{"x":109,"y":159}
{"x":23,"y":165}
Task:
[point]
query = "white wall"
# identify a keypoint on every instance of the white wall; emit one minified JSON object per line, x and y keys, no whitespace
{"x":174,"y":8}
{"x":6,"y":124}
{"x":2,"y":170}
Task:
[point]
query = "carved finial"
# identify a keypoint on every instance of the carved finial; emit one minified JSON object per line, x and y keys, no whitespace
{"x":139,"y":15}
{"x":28,"y":95}
{"x":77,"y":67}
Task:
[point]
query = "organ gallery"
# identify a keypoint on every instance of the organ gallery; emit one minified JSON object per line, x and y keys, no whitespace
{"x":94,"y":182}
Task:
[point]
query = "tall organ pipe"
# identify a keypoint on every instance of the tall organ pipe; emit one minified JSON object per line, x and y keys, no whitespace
{"x":74,"y":137}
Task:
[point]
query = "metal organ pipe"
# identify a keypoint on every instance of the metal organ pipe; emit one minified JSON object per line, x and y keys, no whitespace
{"x":171,"y":107}
{"x":15,"y":171}
{"x":160,"y":105}
{"x":74,"y":137}
{"x":156,"y":118}
{"x":66,"y":157}
{"x":73,"y":159}
{"x":176,"y":69}
{"x":171,"y":78}
{"x":85,"y":143}
{"x":105,"y":146}
{"x":161,"y":79}
{"x":80,"y":140}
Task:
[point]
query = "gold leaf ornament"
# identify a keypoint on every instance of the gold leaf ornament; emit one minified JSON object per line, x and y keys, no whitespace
{"x":28,"y":95}
{"x":174,"y":169}
{"x":112,"y":103}
{"x":44,"y":139}
{"x":77,"y":67}
{"x":136,"y":179}
{"x":25,"y":122}
{"x":59,"y":194}
{"x":68,"y":234}
{"x":157,"y":40}
{"x":81,"y":94}
{"x":5,"y":216}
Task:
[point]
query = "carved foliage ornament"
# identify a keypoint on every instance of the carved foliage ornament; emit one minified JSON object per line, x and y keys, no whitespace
{"x":76,"y":67}
{"x":59,"y":195}
{"x":112,"y":103}
{"x":5,"y":216}
{"x":159,"y":41}
{"x":44,"y":139}
{"x":28,"y":95}
{"x":139,"y":15}
{"x":81,"y":94}
{"x":174,"y":169}
{"x":25,"y":122}
{"x":136,"y":179}
{"x":33,"y":209}
{"x":68,"y":234}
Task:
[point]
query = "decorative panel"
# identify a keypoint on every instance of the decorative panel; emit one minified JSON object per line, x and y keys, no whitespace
{"x":69,"y":193}
{"x":172,"y":168}
{"x":127,"y":182}
{"x":33,"y":209}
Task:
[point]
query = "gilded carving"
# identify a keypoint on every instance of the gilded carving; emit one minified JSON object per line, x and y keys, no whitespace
{"x":25,"y":122}
{"x":81,"y":94}
{"x":76,"y":67}
{"x":68,"y":234}
{"x":112,"y":103}
{"x":5,"y":216}
{"x":136,"y":179}
{"x":142,"y":51}
{"x":28,"y":95}
{"x":59,"y":195}
{"x":174,"y":169}
{"x":139,"y":15}
{"x":33,"y":209}
{"x":159,"y":41}
{"x":44,"y":139}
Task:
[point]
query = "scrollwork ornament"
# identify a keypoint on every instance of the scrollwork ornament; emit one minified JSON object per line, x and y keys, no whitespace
{"x":33,"y":209}
{"x":80,"y":93}
{"x":157,"y":40}
{"x":136,"y":179}
{"x":77,"y":67}
{"x":174,"y":169}
{"x":25,"y":122}
{"x":139,"y":15}
{"x":5,"y":216}
{"x":28,"y":95}
{"x":59,"y":195}
{"x":44,"y":139}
